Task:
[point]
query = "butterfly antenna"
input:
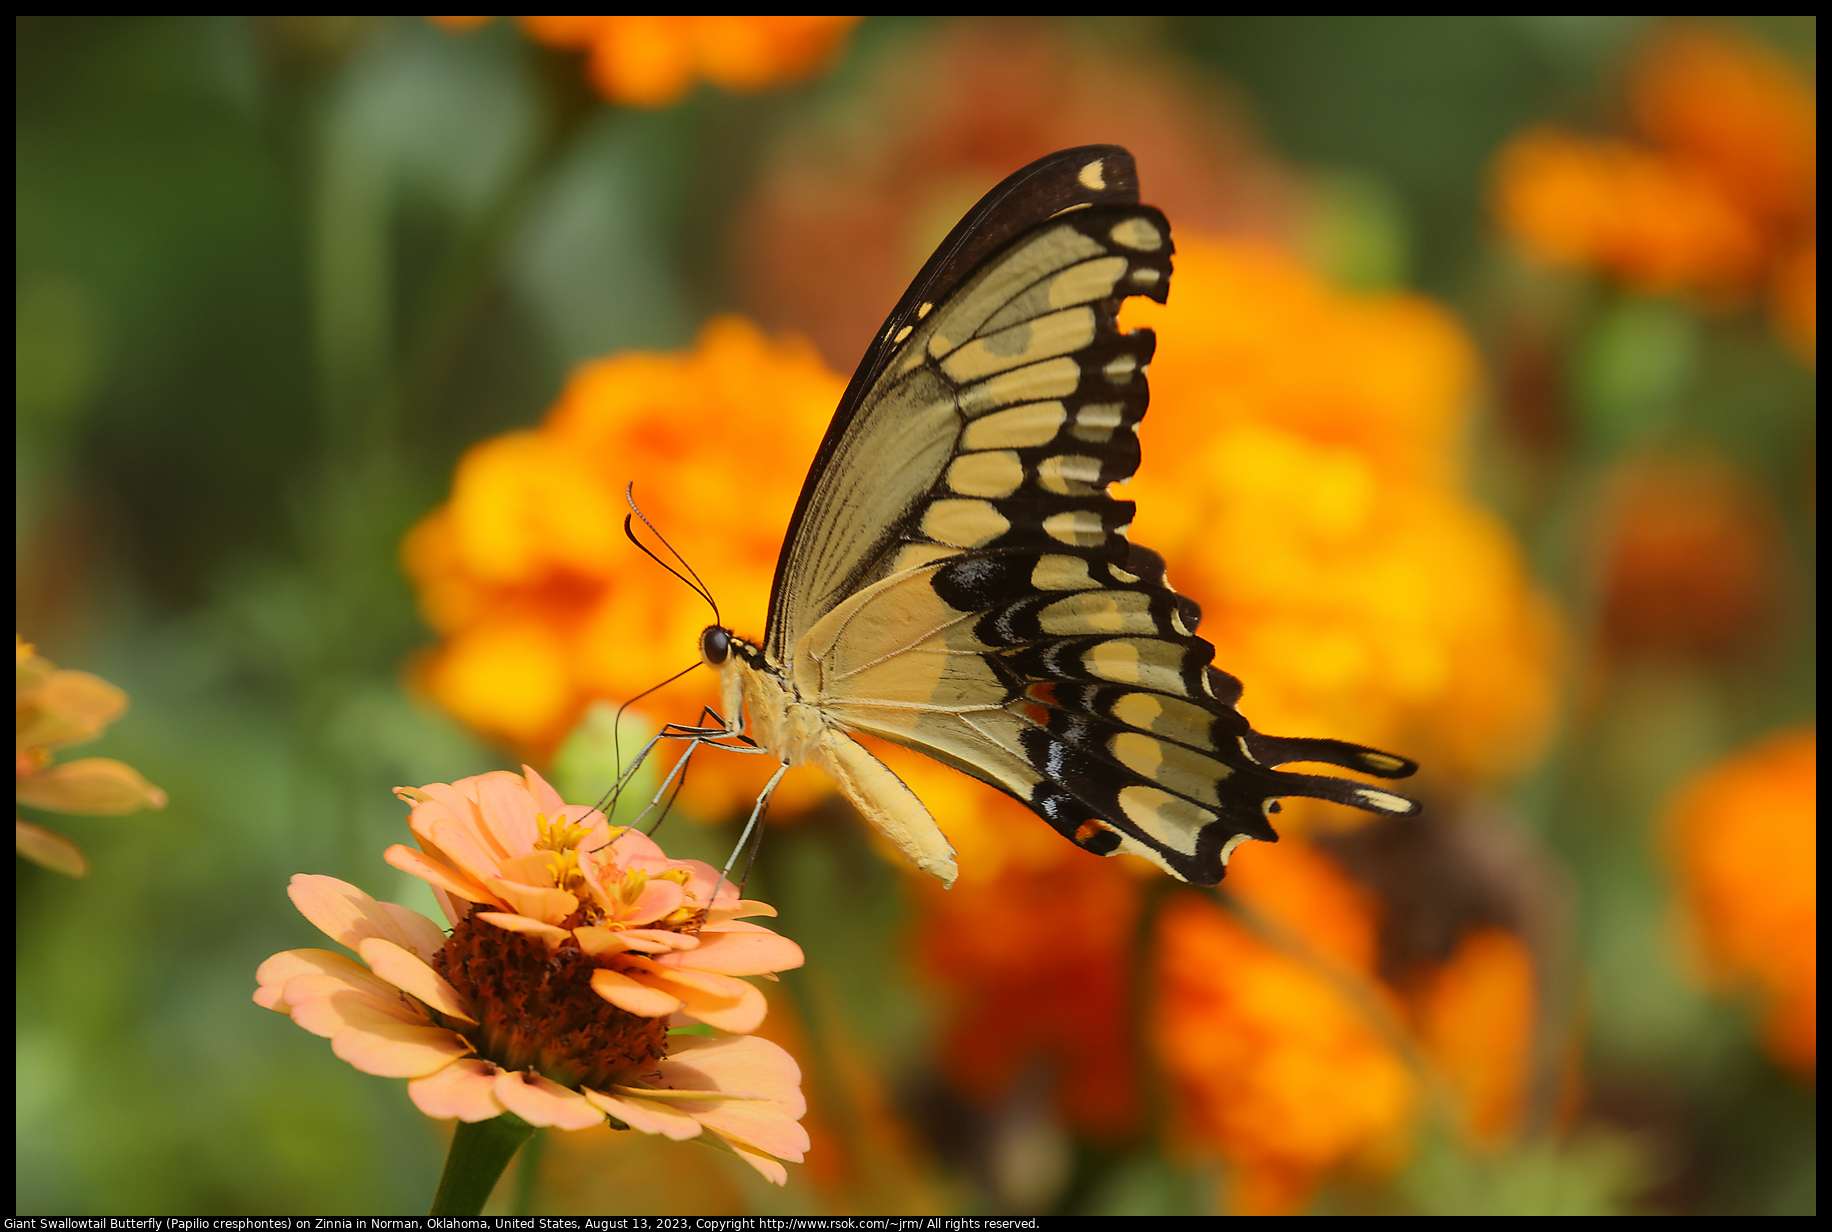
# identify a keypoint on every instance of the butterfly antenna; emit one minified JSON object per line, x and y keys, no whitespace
{"x":698,"y":586}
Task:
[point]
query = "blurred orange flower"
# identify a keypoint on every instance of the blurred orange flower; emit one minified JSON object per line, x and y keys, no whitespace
{"x":844,"y":214}
{"x":1660,"y":225}
{"x":1692,"y":558}
{"x":1034,"y":965}
{"x":54,"y":709}
{"x":1291,"y":1056}
{"x":1303,"y":480}
{"x":1721,"y":197}
{"x":540,"y":604}
{"x":1474,"y":1017}
{"x":1280,"y":1065}
{"x":655,"y":61}
{"x":1743,"y":840}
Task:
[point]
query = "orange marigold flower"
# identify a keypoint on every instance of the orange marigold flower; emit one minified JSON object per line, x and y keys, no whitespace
{"x":1300,"y":479}
{"x":1475,"y":1019}
{"x":1034,"y":961}
{"x":844,"y":213}
{"x":541,"y":605}
{"x":1724,"y":192}
{"x":655,"y":61}
{"x":555,"y":1004}
{"x":1692,"y":557}
{"x":1743,"y":840}
{"x":1274,"y":1065}
{"x":1659,"y":225}
{"x":1736,"y":109}
{"x":1794,"y":300}
{"x":54,"y":709}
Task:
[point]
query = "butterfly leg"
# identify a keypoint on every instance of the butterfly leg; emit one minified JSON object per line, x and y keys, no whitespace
{"x":744,"y":838}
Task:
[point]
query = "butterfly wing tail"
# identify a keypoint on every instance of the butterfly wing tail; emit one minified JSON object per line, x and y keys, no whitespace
{"x":1280,"y":750}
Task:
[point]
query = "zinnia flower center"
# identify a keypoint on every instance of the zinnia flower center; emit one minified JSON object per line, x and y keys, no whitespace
{"x":536,"y":1008}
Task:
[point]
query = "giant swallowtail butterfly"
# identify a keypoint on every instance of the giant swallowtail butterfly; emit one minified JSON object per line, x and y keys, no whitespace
{"x":957,"y":579}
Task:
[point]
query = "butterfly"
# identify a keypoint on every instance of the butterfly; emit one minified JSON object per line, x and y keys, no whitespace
{"x":957,"y":579}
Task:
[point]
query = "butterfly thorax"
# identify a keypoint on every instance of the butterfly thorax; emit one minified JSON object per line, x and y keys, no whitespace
{"x":750,"y":688}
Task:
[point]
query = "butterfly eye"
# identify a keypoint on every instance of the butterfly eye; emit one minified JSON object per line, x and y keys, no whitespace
{"x":715,"y":644}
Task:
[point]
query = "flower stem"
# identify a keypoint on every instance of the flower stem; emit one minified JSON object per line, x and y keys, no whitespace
{"x":480,"y":1151}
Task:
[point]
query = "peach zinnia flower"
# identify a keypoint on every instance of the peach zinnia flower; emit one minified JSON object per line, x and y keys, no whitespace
{"x":574,"y":946}
{"x":55,"y":709}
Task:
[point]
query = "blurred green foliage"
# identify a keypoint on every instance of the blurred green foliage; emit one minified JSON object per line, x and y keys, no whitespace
{"x":274,"y":275}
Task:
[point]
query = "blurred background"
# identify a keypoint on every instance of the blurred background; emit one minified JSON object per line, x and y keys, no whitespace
{"x":1482,"y":426}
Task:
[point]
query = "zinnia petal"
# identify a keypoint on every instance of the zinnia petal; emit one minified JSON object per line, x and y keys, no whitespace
{"x":465,"y":1089}
{"x":734,"y":953}
{"x":508,"y":811}
{"x":94,"y":786}
{"x":547,"y":905}
{"x":397,"y":1050}
{"x":541,"y":1101}
{"x":647,"y":1115}
{"x":440,"y":875}
{"x":410,"y":975}
{"x":554,"y":937}
{"x":742,"y":1064}
{"x":344,"y":913}
{"x":326,"y":1004}
{"x":626,"y":994}
{"x":599,"y":942}
{"x":716,"y":1000}
{"x":274,"y":974}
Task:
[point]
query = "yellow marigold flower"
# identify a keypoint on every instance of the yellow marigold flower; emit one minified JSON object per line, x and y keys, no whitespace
{"x":540,"y":603}
{"x":1743,"y":840}
{"x":1273,"y":1064}
{"x":54,"y":709}
{"x":1300,"y":479}
{"x":572,"y":944}
{"x":655,"y":61}
{"x":1474,"y":1018}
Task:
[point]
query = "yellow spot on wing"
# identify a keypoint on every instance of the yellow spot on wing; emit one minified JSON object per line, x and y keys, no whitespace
{"x":1174,"y":822}
{"x":1020,"y":427}
{"x":1059,"y":333}
{"x":1137,"y":233}
{"x":1093,"y":176}
{"x":1099,"y":611}
{"x":964,"y":523}
{"x":1072,"y":473}
{"x":1079,"y":528}
{"x":993,"y":473}
{"x":1054,"y":378}
{"x":1062,"y":573}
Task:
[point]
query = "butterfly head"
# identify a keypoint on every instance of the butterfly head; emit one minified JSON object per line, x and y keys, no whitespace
{"x":715,"y":645}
